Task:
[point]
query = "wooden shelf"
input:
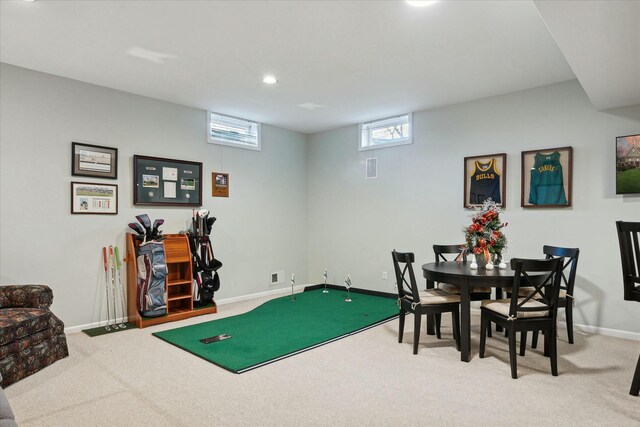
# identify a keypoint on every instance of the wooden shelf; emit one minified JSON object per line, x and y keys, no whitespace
{"x":178,"y":284}
{"x":179,"y":296}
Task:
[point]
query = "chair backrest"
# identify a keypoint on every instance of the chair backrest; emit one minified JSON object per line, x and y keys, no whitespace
{"x":456,"y":250}
{"x":629,"y":237}
{"x":405,"y":279}
{"x":569,"y":268}
{"x":545,"y":287}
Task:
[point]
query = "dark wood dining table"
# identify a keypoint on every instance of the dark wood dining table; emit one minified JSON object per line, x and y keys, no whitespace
{"x":460,"y":274}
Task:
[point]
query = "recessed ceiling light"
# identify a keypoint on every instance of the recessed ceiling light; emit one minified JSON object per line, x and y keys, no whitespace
{"x":421,"y":3}
{"x":269,"y":79}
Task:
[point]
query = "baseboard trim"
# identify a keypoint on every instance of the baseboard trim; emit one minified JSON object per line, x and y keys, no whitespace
{"x":595,"y":330}
{"x":279,"y":291}
{"x":296,"y":289}
{"x":634,"y":336}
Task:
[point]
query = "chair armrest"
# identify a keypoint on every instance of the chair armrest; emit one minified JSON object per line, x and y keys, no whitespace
{"x":28,"y":296}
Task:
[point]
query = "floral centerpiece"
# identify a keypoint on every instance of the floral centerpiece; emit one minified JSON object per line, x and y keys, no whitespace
{"x":484,"y":236}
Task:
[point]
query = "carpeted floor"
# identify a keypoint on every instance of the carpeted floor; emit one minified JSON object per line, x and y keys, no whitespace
{"x":135,"y":379}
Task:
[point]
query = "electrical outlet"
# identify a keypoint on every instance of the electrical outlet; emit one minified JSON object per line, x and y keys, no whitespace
{"x":384,"y":275}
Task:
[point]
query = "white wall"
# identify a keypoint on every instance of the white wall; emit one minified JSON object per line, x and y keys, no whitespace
{"x":261,"y":228}
{"x":416,"y":201}
{"x":302,"y":207}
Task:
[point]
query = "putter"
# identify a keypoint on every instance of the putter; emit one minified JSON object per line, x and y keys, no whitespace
{"x":112,"y":268}
{"x":106,"y":286}
{"x":122,"y":325}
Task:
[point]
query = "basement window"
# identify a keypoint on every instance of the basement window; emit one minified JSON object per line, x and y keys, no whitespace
{"x":232,"y":131}
{"x":387,"y":132}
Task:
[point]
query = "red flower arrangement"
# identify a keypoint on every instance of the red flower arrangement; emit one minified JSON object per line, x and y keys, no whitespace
{"x":484,"y":236}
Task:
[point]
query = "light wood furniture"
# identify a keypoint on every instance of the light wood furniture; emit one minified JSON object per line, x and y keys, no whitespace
{"x":178,"y":284}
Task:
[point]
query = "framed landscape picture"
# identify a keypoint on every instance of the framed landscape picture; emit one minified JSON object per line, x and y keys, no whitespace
{"x":484,"y":178}
{"x":628,"y":164}
{"x":94,"y":161}
{"x":166,"y":182}
{"x":94,"y":198}
{"x":546,"y":178}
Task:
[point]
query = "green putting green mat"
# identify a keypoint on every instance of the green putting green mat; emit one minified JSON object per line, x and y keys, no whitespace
{"x":281,"y":328}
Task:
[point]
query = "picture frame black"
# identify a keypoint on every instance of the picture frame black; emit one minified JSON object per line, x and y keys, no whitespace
{"x":546,"y":178}
{"x":94,"y":161}
{"x":484,"y":177}
{"x":628,"y":164}
{"x":94,"y":198}
{"x":159,"y":181}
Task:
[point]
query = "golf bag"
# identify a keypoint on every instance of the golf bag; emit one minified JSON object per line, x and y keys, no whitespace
{"x":152,"y":268}
{"x":205,"y":267}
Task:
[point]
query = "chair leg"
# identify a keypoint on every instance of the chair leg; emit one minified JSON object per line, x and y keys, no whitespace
{"x":547,"y":343}
{"x":438,"y":320}
{"x":455,"y":321}
{"x":523,"y":342}
{"x":484,"y":325}
{"x":534,"y":339}
{"x":553,"y":350}
{"x":635,"y":384}
{"x":401,"y":328}
{"x":569,"y":315}
{"x":512,"y":354}
{"x":416,"y":331}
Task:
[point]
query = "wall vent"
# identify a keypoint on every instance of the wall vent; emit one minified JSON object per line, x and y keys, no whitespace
{"x":277,"y":277}
{"x":372,"y":167}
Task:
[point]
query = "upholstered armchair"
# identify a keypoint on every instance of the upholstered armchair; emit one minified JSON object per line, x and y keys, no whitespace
{"x":31,"y":336}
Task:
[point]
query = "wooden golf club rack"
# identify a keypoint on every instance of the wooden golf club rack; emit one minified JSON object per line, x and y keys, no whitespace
{"x":178,"y":283}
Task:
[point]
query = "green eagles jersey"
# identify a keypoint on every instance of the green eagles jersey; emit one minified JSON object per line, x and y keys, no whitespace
{"x":547,"y":186}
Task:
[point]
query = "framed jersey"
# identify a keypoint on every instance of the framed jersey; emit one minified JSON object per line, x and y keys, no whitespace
{"x":546,"y":178}
{"x":485,"y":178}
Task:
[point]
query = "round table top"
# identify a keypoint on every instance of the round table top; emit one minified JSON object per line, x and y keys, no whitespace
{"x":456,"y":272}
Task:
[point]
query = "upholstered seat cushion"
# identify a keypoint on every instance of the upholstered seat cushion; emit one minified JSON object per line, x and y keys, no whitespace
{"x":437,"y":296}
{"x":501,"y":306}
{"x":453,"y":289}
{"x":17,"y":323}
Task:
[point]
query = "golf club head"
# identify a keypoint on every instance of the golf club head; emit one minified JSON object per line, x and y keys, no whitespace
{"x":145,"y":221}
{"x":137,"y":228}
{"x":155,"y":232}
{"x":209,"y":224}
{"x":202,"y":213}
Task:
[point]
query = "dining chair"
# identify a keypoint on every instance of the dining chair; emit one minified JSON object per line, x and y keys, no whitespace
{"x":629,"y":240}
{"x":566,"y":299}
{"x":419,"y":302}
{"x":535,"y":312}
{"x":441,"y":252}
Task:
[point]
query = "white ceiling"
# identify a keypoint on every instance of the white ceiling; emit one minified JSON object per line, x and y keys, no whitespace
{"x":601,"y":41}
{"x":359,"y":60}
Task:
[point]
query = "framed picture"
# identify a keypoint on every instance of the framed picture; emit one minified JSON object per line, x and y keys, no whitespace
{"x":166,"y":182}
{"x":94,"y":161}
{"x":628,"y":164}
{"x":546,"y":178}
{"x":219,"y":184}
{"x":94,"y":198}
{"x":484,"y":178}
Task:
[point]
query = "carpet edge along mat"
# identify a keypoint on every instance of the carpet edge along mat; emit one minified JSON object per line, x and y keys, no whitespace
{"x":281,"y":327}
